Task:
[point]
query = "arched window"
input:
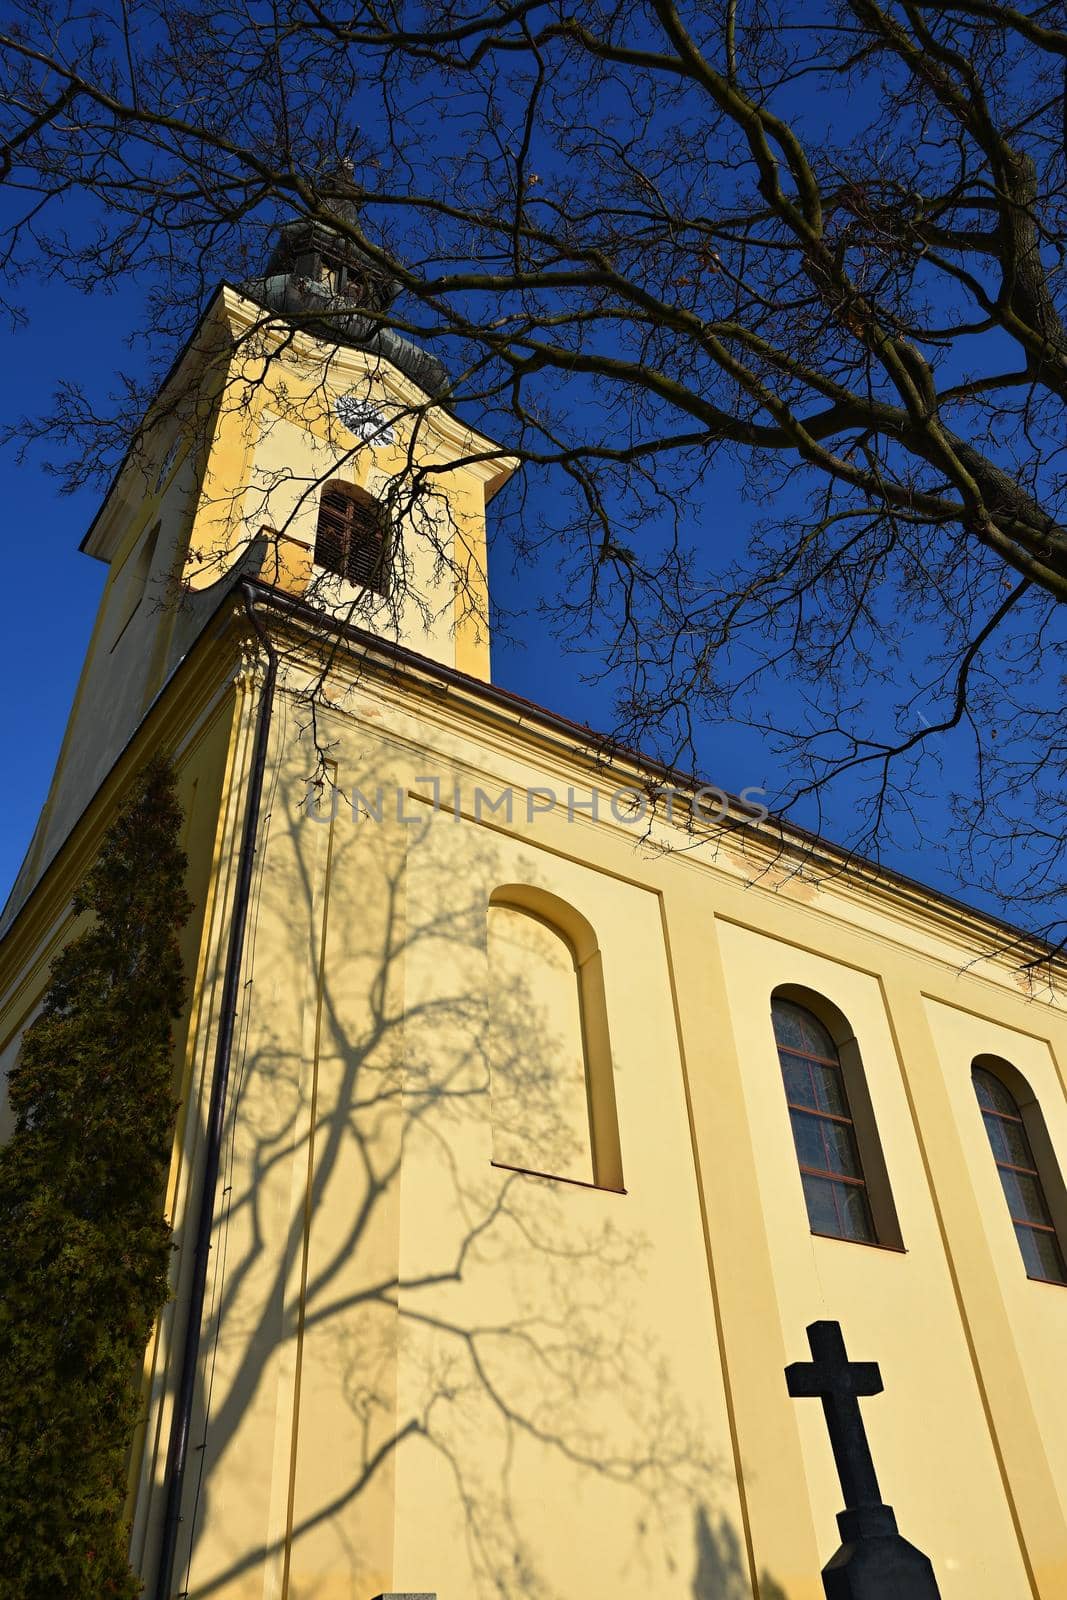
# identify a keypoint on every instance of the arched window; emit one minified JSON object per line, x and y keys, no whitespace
{"x":1020,"y":1173}
{"x":824,"y":1129}
{"x":351,"y":538}
{"x":135,"y":580}
{"x":551,"y":1089}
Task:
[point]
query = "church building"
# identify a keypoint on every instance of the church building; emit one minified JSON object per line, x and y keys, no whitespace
{"x":531,"y":1108}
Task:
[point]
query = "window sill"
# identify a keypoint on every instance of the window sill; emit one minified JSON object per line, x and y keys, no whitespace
{"x":866,"y":1244}
{"x":1051,"y":1283}
{"x":555,"y":1177}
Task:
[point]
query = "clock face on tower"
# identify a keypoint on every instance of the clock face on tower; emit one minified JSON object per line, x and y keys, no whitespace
{"x":364,"y":419}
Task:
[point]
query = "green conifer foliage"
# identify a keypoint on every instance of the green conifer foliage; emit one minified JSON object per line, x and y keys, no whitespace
{"x":84,"y":1247}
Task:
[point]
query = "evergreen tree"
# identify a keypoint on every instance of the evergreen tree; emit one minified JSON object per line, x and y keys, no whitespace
{"x":84,"y":1246}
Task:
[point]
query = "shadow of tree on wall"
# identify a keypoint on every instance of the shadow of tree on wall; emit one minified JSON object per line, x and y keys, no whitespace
{"x":509,"y":1305}
{"x":721,"y":1568}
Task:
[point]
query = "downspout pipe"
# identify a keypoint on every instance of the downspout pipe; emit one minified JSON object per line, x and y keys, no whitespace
{"x":178,"y":1445}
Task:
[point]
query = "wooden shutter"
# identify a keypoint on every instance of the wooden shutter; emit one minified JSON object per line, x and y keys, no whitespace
{"x":350,"y":539}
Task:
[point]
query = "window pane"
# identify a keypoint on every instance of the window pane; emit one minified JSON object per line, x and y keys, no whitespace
{"x":855,"y":1212}
{"x":838,"y":1209}
{"x":841,"y":1152}
{"x":809,"y":1083}
{"x":827,"y":1146}
{"x":1023,"y":1194}
{"x":1039,"y":1246}
{"x":992,"y":1094}
{"x":1041,"y":1255}
{"x":807,"y":1134}
{"x":1008,"y":1140}
{"x":823,"y":1132}
{"x":795,"y":1026}
{"x":799,"y":1087}
{"x":350,"y":541}
{"x":822,"y":1212}
{"x":831,"y":1090}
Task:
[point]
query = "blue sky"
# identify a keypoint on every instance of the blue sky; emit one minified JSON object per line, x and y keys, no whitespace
{"x":52,"y":590}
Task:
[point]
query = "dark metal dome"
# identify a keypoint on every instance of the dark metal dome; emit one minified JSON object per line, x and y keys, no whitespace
{"x":324,"y":281}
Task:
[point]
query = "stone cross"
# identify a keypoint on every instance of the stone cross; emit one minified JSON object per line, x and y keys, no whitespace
{"x":874,"y":1561}
{"x":838,"y":1383}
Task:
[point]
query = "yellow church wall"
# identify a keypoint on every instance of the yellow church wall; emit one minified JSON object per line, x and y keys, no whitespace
{"x":1019,"y":1432}
{"x":780,"y":1534}
{"x":187,"y":1168}
{"x":1032,"y":1316}
{"x":341,"y":1528}
{"x":921,"y":1279}
{"x":936,"y":1462}
{"x":251,"y":1351}
{"x":409,"y":1423}
{"x":309,"y":1391}
{"x":577,"y":1437}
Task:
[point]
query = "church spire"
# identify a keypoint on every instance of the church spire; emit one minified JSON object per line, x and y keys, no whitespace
{"x":322,"y":255}
{"x":318,"y":276}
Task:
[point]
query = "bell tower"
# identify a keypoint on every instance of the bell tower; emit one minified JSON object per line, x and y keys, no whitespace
{"x":333,"y":439}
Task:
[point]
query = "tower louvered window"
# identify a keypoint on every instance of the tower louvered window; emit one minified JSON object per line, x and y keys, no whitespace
{"x":350,"y":540}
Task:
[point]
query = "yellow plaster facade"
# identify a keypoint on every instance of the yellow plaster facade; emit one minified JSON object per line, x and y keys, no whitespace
{"x":427,"y":1363}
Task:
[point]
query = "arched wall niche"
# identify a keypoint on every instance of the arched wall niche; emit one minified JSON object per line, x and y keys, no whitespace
{"x":872,"y":1159}
{"x":1049,"y":1172}
{"x":552,"y":1079}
